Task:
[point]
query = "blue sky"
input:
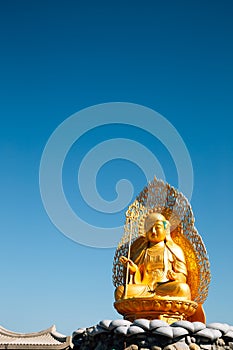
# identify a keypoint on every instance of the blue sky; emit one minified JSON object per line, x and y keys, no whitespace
{"x":58,"y":57}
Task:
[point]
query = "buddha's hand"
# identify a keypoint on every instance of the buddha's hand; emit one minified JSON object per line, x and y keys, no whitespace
{"x":125,"y":261}
{"x":176,"y":276}
{"x":171,"y":275}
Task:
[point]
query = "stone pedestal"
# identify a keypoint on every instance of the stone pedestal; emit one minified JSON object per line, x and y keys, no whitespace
{"x":143,"y":334}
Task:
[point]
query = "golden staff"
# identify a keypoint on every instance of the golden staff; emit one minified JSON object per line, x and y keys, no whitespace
{"x":131,"y":214}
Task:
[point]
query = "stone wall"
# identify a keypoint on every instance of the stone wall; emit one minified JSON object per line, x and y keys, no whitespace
{"x":154,"y":335}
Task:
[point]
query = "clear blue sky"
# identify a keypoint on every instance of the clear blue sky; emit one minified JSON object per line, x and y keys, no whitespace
{"x":58,"y":57}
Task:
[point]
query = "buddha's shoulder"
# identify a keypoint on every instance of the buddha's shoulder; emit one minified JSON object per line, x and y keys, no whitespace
{"x":176,"y":250}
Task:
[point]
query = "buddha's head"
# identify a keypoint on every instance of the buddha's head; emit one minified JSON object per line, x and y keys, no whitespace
{"x":156,"y":227}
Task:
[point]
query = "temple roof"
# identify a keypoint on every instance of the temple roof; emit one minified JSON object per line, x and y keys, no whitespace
{"x":46,"y":339}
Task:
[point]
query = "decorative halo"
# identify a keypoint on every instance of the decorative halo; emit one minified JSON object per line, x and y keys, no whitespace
{"x":162,"y":198}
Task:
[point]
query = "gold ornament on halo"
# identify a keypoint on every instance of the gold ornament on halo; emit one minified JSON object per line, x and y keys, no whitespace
{"x":160,"y":197}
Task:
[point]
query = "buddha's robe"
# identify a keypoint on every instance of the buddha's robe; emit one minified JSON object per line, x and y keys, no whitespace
{"x":150,"y":278}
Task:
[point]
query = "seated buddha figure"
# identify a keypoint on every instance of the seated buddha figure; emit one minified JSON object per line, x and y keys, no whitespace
{"x":157,"y":264}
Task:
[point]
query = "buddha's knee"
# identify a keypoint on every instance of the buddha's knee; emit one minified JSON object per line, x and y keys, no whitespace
{"x":119,"y":292}
{"x":132,"y":291}
{"x":184,"y":290}
{"x":174,"y":288}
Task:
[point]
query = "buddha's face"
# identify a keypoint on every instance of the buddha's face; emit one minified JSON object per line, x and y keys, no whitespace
{"x":157,"y":233}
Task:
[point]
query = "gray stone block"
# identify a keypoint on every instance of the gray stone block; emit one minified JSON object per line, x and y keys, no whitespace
{"x":229,"y":334}
{"x":135,"y":330}
{"x":79,"y":332}
{"x":198,"y":326}
{"x":90,"y":330}
{"x":216,"y":334}
{"x":121,"y":330}
{"x":164,"y":331}
{"x":143,"y":323}
{"x":179,"y":332}
{"x":105,"y":323}
{"x":96,"y":330}
{"x":205,"y":333}
{"x":158,"y":323}
{"x":223,"y":327}
{"x":184,"y":324}
{"x":100,"y":329}
{"x":119,"y":323}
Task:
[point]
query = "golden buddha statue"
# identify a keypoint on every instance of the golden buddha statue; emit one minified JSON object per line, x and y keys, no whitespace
{"x":157,"y":264}
{"x":161,"y":267}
